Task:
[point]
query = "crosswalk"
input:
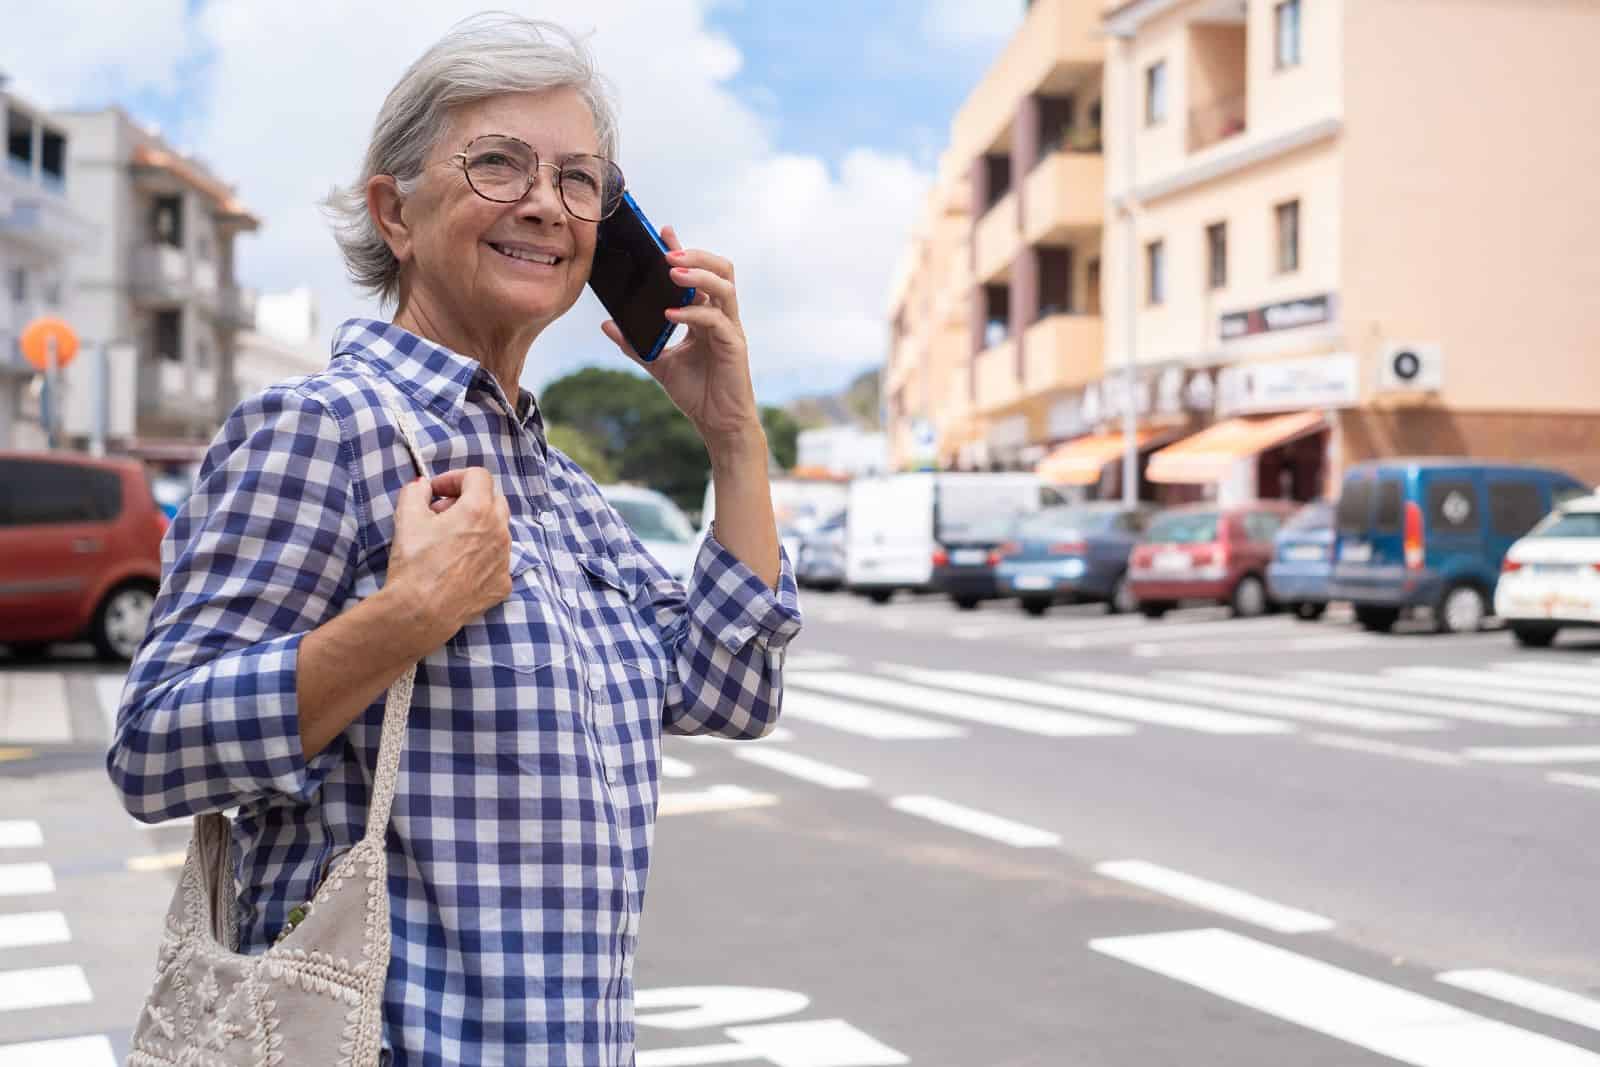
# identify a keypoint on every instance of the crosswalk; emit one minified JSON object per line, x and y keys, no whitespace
{"x":889,"y":701}
{"x":24,"y":930}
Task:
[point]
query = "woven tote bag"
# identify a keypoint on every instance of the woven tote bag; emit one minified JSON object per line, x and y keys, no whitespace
{"x":313,"y":999}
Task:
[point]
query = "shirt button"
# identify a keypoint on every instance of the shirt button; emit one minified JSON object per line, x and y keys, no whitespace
{"x":547,"y":519}
{"x":595,"y":684}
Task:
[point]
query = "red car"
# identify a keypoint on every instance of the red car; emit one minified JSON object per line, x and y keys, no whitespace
{"x":1207,"y":553}
{"x":80,"y":552}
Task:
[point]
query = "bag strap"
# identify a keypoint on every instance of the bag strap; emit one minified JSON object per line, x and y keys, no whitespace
{"x":397,"y":707}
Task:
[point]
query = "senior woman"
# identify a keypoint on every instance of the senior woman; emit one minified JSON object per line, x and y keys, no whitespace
{"x":312,"y":568}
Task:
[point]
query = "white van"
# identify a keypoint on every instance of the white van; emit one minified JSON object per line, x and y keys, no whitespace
{"x":800,"y":505}
{"x":897,"y":521}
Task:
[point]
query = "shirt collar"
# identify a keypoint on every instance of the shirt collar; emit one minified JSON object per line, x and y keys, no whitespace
{"x":431,"y":374}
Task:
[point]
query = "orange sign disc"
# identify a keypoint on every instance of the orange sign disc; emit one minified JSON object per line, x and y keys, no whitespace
{"x":36,"y":338}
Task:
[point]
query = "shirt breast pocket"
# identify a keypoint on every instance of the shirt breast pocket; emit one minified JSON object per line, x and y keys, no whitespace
{"x":520,"y":633}
{"x":628,"y":675}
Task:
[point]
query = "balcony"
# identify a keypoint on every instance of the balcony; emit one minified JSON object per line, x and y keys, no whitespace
{"x":1216,"y":121}
{"x":35,"y":214}
{"x":998,"y":386}
{"x":996,"y":239}
{"x":159,"y":273}
{"x":1062,"y":352}
{"x":1064,"y":196}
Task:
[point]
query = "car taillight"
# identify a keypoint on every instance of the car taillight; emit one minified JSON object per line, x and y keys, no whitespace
{"x":1510,"y":566}
{"x":1595,"y":567}
{"x":162,"y":522}
{"x":941,"y":558}
{"x":1002,"y":550}
{"x":1068,"y":548}
{"x":1413,"y":540}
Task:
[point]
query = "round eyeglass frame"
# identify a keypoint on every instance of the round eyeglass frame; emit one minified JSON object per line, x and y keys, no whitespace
{"x":460,"y":158}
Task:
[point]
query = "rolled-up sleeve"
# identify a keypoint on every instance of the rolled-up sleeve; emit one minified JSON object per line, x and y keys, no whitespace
{"x":727,"y":630}
{"x":264,"y":551}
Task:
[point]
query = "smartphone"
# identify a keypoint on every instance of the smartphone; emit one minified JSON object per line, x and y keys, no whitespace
{"x":632,"y":278}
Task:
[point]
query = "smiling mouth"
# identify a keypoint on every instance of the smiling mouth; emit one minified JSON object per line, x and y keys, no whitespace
{"x":525,"y":256}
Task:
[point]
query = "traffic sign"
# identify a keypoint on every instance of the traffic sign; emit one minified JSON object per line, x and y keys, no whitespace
{"x":36,"y":343}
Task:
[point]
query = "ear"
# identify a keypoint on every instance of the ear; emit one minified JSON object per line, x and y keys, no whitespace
{"x":385,"y":207}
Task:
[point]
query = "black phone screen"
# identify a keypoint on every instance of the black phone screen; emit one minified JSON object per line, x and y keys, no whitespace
{"x":631,"y":277}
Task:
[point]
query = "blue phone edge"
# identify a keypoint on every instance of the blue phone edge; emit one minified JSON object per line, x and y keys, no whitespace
{"x":688,"y":294}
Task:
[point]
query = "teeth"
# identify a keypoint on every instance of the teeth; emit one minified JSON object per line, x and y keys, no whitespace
{"x":531,"y":257}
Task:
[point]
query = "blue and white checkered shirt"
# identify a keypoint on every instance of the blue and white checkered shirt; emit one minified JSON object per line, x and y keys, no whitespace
{"x":526,"y":804}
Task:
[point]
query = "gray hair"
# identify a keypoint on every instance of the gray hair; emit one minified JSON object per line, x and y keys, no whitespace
{"x":487,"y":55}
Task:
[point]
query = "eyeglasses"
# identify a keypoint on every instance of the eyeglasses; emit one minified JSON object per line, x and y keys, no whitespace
{"x":503,"y":169}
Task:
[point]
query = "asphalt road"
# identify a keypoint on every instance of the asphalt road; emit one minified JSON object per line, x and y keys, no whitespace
{"x":980,"y":839}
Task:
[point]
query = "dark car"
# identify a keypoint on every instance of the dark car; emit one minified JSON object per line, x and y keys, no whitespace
{"x":964,"y":563}
{"x":1302,"y":563}
{"x":1432,"y":533}
{"x":80,"y":551}
{"x":1072,"y":553}
{"x":1208,"y":553}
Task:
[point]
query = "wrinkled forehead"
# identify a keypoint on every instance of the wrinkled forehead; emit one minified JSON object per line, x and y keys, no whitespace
{"x":554,"y":123}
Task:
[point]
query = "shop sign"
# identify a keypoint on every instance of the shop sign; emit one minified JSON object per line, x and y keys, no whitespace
{"x":1321,"y":382}
{"x":1288,"y":315}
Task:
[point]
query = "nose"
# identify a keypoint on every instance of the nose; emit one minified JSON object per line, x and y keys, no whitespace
{"x":542,"y":202}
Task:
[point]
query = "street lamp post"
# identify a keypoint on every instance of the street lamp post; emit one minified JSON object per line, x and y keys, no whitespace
{"x":1130,"y":306}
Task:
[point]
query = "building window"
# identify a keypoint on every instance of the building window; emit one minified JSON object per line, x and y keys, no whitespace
{"x":1287,"y":36}
{"x":1155,"y":93}
{"x":1155,"y":268}
{"x":1217,"y":255}
{"x":166,"y":221}
{"x":169,"y":336}
{"x":18,"y":285}
{"x":1288,"y":236}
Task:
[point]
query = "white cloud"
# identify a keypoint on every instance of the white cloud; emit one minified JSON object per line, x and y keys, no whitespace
{"x":64,"y":51}
{"x":969,"y":22}
{"x":293,"y":87}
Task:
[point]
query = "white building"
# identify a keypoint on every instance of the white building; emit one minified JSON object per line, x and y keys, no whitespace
{"x":285,"y":343}
{"x":842,"y":450}
{"x":38,"y":230}
{"x":157,"y":284}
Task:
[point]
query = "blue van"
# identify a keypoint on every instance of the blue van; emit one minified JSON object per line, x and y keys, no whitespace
{"x":1432,"y":533}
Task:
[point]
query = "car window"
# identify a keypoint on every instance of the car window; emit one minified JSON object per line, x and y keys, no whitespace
{"x":1355,"y":506}
{"x":1262,"y":525}
{"x":1566,"y":492}
{"x":1391,"y":506}
{"x":1054,"y":522}
{"x":650,"y":521}
{"x":981,"y":530}
{"x":1132,"y":522}
{"x":1514,"y":508}
{"x":1569,"y":524}
{"x":971,"y":498}
{"x":1314,"y":516}
{"x":1185,"y":528}
{"x":38,"y":492}
{"x":1453,"y":506}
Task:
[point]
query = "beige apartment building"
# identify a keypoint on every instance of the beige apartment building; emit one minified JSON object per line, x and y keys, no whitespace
{"x":1334,"y":230}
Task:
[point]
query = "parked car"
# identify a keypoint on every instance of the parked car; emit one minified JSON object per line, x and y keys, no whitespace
{"x":821,"y":562}
{"x":1302,"y":561}
{"x":1072,"y":553}
{"x":1550,"y":579}
{"x":799,"y":504}
{"x":657,"y":522}
{"x":1432,"y":533}
{"x":1208,"y":553}
{"x":80,"y":552}
{"x":965,"y":561}
{"x":899,"y":523}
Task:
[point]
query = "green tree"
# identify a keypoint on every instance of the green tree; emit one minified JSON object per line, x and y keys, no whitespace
{"x":582,"y":451}
{"x":783,"y":435}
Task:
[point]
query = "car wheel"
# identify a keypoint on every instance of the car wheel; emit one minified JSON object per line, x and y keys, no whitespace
{"x":1534,"y":636}
{"x":1462,"y":610}
{"x":1122,"y":601}
{"x":1154,"y":611}
{"x":1249,"y":598}
{"x":1310,"y":611}
{"x":880,"y":596}
{"x":1035,"y":605}
{"x":1377,"y":620}
{"x":121,"y":621}
{"x":966,"y":603}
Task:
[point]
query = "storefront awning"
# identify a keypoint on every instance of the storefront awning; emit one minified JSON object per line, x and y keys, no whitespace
{"x":1208,"y":455}
{"x":1080,"y":462}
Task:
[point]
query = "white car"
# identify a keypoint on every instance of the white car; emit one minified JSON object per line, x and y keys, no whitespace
{"x":1551,"y":578}
{"x":659,"y":523}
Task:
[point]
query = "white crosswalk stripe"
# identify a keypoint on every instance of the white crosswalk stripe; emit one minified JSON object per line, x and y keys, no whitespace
{"x":43,"y":987}
{"x":1201,"y":689}
{"x":33,"y":708}
{"x":23,"y":879}
{"x":1544,"y":668}
{"x":1449,"y":709}
{"x":1112,"y":705}
{"x":65,"y":1052}
{"x":1096,"y":634}
{"x":27,"y":929}
{"x":1525,"y":993}
{"x":1222,"y":899}
{"x":1432,"y":688}
{"x":942,"y":701}
{"x":1536,"y":754}
{"x":804,"y":768}
{"x":863,"y":719}
{"x":20,"y":833}
{"x":1361,"y":1011}
{"x":1495,"y":681}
